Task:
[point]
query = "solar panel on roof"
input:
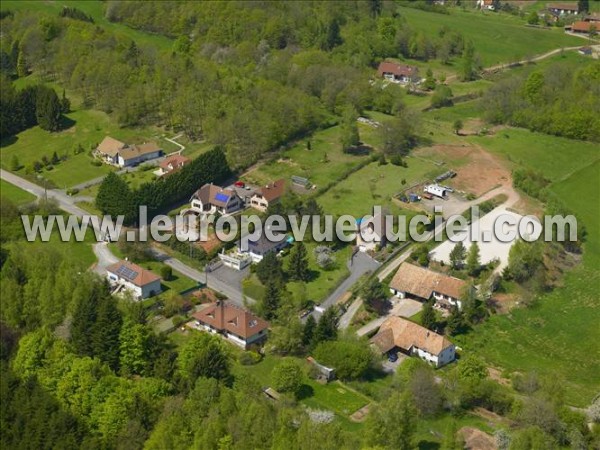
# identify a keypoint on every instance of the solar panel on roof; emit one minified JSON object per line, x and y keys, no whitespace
{"x":126,"y":272}
{"x":222,"y":197}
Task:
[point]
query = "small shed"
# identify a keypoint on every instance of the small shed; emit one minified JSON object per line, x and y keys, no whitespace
{"x":326,"y":374}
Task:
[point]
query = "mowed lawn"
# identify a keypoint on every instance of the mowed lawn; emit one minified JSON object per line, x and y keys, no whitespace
{"x":335,"y":396}
{"x":498,"y":38}
{"x":376,"y":184}
{"x":87,"y":128}
{"x":321,"y":284}
{"x":322,"y":164}
{"x":560,"y":335}
{"x":14,"y":194}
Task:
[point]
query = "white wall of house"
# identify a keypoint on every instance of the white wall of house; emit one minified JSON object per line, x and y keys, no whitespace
{"x":445,"y":357}
{"x":259,"y":202}
{"x":398,"y":294}
{"x":146,"y":291}
{"x":453,"y":301}
{"x":137,"y":160}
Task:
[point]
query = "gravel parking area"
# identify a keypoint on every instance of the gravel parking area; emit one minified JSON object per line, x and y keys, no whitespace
{"x":488,"y":250}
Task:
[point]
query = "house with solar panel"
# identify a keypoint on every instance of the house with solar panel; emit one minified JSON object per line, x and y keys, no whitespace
{"x":211,"y":199}
{"x":125,"y":275}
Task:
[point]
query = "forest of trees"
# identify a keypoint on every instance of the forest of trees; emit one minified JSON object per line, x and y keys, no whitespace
{"x":557,"y":100}
{"x":249,"y":76}
{"x":33,"y":105}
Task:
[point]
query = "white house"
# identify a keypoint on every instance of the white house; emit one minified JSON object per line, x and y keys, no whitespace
{"x":140,"y":282}
{"x":210,"y":199}
{"x":564,"y":8}
{"x":117,"y":153}
{"x":268,"y":195}
{"x":398,"y":73}
{"x":258,"y":248}
{"x":235,"y":324}
{"x":415,"y":281}
{"x":397,"y":333}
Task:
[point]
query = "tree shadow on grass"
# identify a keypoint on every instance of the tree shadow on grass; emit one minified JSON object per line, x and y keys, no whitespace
{"x":428,"y":445}
{"x":66,"y":123}
{"x":305,"y":391}
{"x":8,"y":140}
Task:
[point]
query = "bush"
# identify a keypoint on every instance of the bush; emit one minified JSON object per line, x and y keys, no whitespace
{"x":249,"y":358}
{"x":350,"y":358}
{"x":178,"y":320}
{"x":72,"y":191}
{"x":96,"y":163}
{"x":287,"y":376}
{"x":166,"y":273}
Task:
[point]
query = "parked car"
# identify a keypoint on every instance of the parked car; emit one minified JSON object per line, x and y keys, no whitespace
{"x":239,"y":184}
{"x":392,"y":357}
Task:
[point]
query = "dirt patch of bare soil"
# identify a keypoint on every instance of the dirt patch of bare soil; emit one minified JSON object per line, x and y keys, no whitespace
{"x":496,"y":375}
{"x":477,"y":170}
{"x":477,"y":440}
{"x":361,"y":414}
{"x":212,"y":242}
{"x":503,"y":303}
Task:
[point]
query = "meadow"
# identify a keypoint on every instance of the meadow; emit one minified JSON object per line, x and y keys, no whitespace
{"x":95,"y":9}
{"x":498,"y":38}
{"x":556,"y":157}
{"x":375,"y":184}
{"x":323,"y":163}
{"x":14,"y":194}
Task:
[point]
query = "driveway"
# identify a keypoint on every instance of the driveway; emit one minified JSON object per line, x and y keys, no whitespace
{"x":105,"y":257}
{"x":405,"y":307}
{"x":391,"y":367}
{"x":225,"y":280}
{"x":358,"y":265}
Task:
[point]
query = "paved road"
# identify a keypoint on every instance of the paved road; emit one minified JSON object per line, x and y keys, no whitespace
{"x":359,"y":265}
{"x":232,"y":291}
{"x":349,"y":314}
{"x":105,"y":257}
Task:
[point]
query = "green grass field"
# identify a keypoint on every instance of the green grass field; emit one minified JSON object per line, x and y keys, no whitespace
{"x":375,"y":185}
{"x":14,"y":194}
{"x":555,"y":157}
{"x":498,"y":38}
{"x":323,"y":281}
{"x":324,"y":163}
{"x":334,"y":396}
{"x":95,"y":9}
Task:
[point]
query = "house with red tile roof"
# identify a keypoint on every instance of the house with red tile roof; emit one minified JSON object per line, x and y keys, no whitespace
{"x":171,"y":164}
{"x":232,"y":322}
{"x":399,"y":334}
{"x":398,"y":73}
{"x":582,"y":27}
{"x":415,"y":281}
{"x":268,"y":195}
{"x":140,"y":282}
